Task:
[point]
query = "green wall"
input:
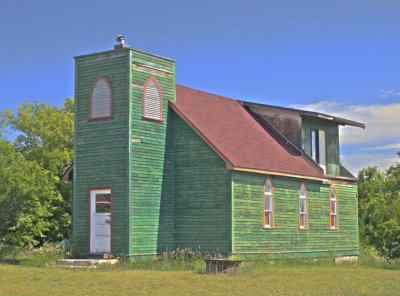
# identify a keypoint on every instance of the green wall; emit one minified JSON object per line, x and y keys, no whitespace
{"x":250,"y":238}
{"x":101,"y":146}
{"x":332,"y":142}
{"x":147,"y":158}
{"x":170,"y":189}
{"x":202,"y":193}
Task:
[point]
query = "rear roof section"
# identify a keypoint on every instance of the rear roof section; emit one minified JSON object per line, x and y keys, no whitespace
{"x":237,"y":137}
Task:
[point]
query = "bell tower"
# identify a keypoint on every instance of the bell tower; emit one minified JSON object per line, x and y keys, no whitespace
{"x":121,"y":127}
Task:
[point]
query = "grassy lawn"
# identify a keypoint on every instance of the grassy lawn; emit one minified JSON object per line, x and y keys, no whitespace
{"x":349,"y":279}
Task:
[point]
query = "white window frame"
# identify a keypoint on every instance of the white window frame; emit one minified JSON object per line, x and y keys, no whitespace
{"x":269,"y":212}
{"x":305,"y":212}
{"x":335,"y":214}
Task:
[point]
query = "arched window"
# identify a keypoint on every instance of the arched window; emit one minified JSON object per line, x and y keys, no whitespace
{"x":303,"y":207}
{"x":152,"y":100}
{"x":268,"y":204}
{"x":100,"y":99}
{"x":333,"y":201}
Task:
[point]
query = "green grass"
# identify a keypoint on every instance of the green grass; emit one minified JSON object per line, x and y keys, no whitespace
{"x":275,"y":280}
{"x":32,"y":272}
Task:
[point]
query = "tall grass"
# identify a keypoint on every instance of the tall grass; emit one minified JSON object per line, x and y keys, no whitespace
{"x":369,"y":258}
{"x":186,"y":260}
{"x":170,"y":260}
{"x":35,"y":257}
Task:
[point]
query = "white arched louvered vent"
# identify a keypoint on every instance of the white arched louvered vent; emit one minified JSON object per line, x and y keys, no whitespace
{"x":152,"y":101}
{"x":100,"y":99}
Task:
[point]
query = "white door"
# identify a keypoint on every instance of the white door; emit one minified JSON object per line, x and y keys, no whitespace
{"x":100,"y":221}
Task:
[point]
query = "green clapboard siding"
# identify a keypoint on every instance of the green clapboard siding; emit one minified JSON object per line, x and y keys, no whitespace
{"x":149,"y":178}
{"x":249,"y":237}
{"x":202,"y":193}
{"x":332,"y":142}
{"x":101,"y":146}
{"x":170,"y":189}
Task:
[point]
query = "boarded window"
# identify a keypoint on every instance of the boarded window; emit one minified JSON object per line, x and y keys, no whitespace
{"x":100,"y":103}
{"x":152,"y":100}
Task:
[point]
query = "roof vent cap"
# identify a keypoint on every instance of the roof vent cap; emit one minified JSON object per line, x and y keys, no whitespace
{"x":121,"y":41}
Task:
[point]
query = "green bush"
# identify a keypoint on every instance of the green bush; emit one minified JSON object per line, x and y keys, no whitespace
{"x":379,"y":209}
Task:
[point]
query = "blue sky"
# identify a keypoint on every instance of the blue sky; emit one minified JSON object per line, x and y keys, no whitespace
{"x":338,"y":57}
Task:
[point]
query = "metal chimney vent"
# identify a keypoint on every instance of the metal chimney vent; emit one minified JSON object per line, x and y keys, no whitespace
{"x":121,"y":40}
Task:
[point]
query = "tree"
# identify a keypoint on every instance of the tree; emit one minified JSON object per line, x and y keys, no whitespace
{"x":379,"y":209}
{"x":34,"y":203}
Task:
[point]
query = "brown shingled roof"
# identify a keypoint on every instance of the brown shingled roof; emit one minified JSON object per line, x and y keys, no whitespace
{"x":236,"y":136}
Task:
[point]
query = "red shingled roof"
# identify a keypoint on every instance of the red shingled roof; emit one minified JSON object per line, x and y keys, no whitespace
{"x":236,"y":136}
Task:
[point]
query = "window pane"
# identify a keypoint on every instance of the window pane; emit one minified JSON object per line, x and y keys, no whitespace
{"x":333,"y":194}
{"x":333,"y":207}
{"x":268,"y":188}
{"x":303,"y":190}
{"x":314,"y":145}
{"x":268,"y":202}
{"x":103,"y":203}
{"x":267,"y":218}
{"x":270,"y":218}
{"x":334,"y":221}
{"x":302,"y":205}
{"x":303,"y":220}
{"x":322,"y":149}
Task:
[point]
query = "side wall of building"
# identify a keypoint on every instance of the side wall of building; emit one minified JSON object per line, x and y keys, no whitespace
{"x":202,"y":187}
{"x":101,"y":146}
{"x":286,"y":239}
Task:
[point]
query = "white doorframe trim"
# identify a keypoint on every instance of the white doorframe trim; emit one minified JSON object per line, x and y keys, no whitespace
{"x":99,"y":190}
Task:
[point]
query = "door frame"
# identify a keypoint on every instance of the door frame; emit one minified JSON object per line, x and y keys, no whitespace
{"x":90,"y":217}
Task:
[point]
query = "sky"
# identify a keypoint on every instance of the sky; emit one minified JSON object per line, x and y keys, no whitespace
{"x":337,"y":57}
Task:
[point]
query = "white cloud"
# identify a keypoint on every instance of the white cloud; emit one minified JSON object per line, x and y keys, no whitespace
{"x":387,"y":92}
{"x":389,"y":146}
{"x":355,"y":162}
{"x":382,"y":121}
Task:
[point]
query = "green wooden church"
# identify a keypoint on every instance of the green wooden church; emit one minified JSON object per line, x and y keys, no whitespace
{"x":159,"y":166}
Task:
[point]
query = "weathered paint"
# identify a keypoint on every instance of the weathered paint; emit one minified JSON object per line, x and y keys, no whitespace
{"x":288,"y":123}
{"x":332,"y":142}
{"x":147,"y":156}
{"x":250,"y":238}
{"x":100,"y":146}
{"x":170,"y":189}
{"x":201,"y":193}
